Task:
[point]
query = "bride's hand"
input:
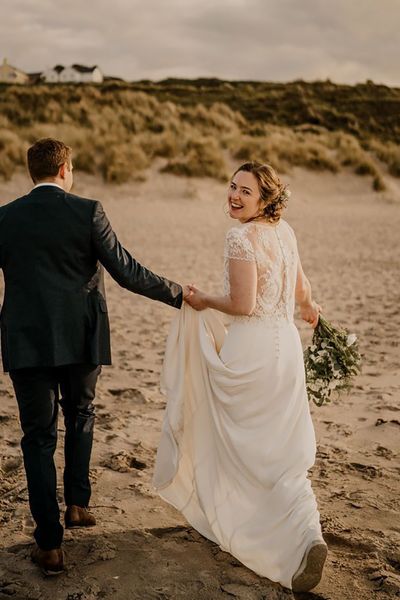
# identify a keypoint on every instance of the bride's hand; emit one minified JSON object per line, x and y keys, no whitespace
{"x":196,"y":298}
{"x":186,"y":291}
{"x":310,"y":313}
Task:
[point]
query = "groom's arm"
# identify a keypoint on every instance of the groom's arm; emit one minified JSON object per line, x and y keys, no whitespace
{"x":126,"y":271}
{"x":2,"y":216}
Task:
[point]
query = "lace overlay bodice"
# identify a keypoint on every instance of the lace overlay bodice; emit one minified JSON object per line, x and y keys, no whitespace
{"x":273,"y":249}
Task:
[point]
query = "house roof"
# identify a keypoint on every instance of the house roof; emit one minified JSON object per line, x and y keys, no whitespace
{"x":15,"y":69}
{"x":83,"y":69}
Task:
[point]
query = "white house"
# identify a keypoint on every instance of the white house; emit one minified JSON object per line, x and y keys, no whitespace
{"x":73,"y":74}
{"x":52,"y":75}
{"x":10,"y":74}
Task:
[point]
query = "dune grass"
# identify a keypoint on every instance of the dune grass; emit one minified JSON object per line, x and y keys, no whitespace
{"x":117,"y":131}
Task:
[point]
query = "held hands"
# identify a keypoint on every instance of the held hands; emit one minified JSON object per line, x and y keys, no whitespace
{"x":194,"y":297}
{"x":310,"y":313}
{"x":198,"y":300}
{"x":186,"y":291}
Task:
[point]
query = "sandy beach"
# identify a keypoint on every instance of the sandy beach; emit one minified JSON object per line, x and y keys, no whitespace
{"x":142,"y":549}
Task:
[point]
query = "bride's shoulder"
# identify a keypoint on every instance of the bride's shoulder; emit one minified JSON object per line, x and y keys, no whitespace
{"x":238,"y":243}
{"x":290,"y":232}
{"x":242,"y":228}
{"x":236,"y":231}
{"x":287,"y":226}
{"x":240,"y":233}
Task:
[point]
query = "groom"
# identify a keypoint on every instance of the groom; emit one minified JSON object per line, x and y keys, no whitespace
{"x":55,"y":331}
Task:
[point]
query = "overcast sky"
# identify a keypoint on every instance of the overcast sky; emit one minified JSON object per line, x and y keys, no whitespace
{"x":280,"y":40}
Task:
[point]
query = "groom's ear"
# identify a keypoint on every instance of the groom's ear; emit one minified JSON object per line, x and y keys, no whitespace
{"x":63,"y":169}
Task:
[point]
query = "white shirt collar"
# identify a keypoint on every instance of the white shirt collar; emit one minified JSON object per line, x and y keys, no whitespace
{"x":43,"y":184}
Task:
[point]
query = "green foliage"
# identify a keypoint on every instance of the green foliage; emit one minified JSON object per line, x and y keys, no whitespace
{"x":331,"y":362}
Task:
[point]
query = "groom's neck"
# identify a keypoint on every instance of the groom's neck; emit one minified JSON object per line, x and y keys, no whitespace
{"x":55,"y":180}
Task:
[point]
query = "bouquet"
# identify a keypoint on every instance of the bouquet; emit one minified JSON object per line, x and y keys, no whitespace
{"x":330,"y":362}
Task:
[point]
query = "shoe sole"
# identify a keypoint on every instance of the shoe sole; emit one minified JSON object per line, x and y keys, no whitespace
{"x":311,"y":574}
{"x":46,"y":571}
{"x":52,"y":573}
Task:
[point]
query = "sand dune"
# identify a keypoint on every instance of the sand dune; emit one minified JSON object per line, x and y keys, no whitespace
{"x":142,"y":549}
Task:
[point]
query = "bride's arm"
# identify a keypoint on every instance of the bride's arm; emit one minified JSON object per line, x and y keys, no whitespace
{"x":243,"y":290}
{"x":309,"y":310}
{"x":303,"y":286}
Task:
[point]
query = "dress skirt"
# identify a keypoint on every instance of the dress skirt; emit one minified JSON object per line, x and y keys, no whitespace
{"x":238,"y":439}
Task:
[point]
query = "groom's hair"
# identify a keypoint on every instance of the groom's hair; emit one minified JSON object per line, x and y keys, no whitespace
{"x":45,"y":158}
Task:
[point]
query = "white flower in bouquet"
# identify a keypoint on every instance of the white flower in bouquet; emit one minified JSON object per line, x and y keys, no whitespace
{"x":351,"y":339}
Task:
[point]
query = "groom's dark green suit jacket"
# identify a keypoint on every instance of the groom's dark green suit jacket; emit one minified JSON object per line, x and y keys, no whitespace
{"x":52,"y":246}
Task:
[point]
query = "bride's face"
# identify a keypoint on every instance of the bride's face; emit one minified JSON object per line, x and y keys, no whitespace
{"x":243,"y":197}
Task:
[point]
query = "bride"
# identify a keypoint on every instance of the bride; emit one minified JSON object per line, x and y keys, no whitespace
{"x":237,"y":437}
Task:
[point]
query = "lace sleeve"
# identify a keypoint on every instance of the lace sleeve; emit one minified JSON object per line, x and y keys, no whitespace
{"x":238,"y":246}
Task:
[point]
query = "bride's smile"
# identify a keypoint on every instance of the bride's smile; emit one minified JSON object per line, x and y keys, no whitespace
{"x":243,"y":197}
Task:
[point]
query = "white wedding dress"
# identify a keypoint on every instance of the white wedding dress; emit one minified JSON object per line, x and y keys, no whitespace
{"x":237,"y":437}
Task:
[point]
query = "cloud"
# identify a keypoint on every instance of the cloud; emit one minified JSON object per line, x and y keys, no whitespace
{"x":344,"y":40}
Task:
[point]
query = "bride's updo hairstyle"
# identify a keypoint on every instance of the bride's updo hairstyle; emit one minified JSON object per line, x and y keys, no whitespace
{"x":273,"y":193}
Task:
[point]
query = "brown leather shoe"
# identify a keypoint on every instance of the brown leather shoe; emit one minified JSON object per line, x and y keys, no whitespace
{"x":51,"y":562}
{"x":77,"y":516}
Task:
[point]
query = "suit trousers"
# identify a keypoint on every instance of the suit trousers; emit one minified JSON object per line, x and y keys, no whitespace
{"x":39,"y":391}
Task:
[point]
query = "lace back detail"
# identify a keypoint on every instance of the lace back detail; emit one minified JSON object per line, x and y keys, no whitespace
{"x":285,"y":275}
{"x":274,"y":250}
